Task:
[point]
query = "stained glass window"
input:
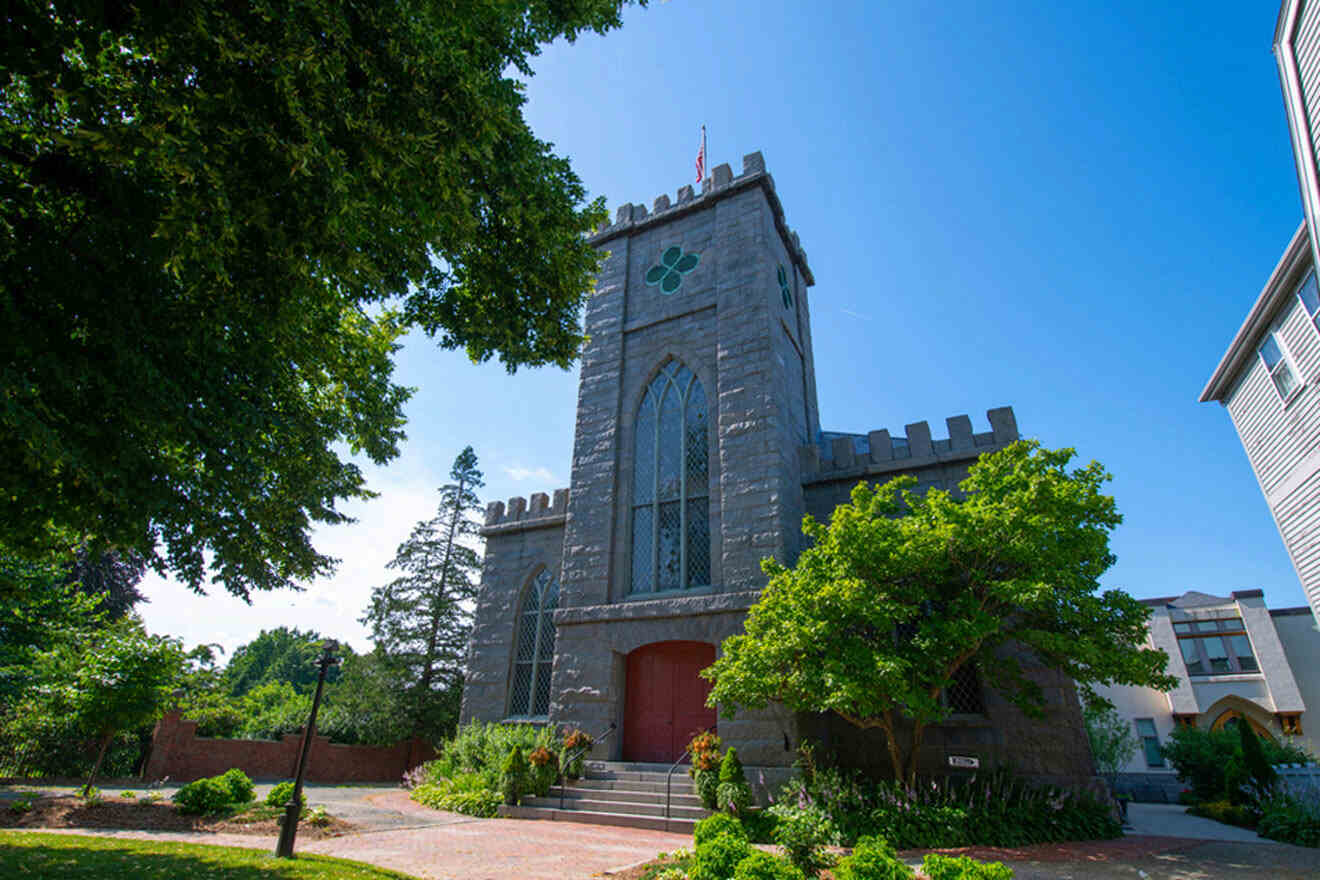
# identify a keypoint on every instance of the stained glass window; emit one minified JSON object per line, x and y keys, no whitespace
{"x":671,"y":485}
{"x":535,"y":650}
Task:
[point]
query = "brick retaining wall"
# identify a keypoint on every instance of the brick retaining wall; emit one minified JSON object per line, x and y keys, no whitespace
{"x":177,"y":752}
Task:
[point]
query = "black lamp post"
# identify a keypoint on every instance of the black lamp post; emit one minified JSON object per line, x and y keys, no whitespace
{"x":289,"y":830}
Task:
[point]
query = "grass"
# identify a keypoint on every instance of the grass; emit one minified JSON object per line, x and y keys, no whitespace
{"x":70,"y":857}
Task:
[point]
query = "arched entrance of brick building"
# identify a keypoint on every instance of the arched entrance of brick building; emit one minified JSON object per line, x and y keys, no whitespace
{"x":665,"y":701}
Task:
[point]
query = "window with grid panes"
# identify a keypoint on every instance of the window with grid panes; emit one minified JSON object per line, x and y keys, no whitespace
{"x":1310,"y":298}
{"x":534,"y":649}
{"x":1281,"y":371}
{"x":1215,"y":647}
{"x":1150,"y":742}
{"x":671,"y":485}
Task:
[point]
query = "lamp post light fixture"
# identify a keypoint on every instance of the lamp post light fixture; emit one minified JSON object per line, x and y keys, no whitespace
{"x":289,"y":830}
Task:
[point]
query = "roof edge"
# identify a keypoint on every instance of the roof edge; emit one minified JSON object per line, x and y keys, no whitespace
{"x":1243,"y":344}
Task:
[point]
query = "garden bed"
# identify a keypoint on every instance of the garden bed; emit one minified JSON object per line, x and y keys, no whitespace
{"x":67,"y":811}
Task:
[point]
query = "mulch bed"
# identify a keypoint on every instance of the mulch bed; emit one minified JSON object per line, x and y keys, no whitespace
{"x":125,"y":813}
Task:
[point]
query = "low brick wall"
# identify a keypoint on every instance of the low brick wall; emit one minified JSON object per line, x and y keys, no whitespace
{"x":177,"y":752}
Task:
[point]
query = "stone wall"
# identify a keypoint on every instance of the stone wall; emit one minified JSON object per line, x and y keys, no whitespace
{"x":177,"y":752}
{"x":521,"y":540}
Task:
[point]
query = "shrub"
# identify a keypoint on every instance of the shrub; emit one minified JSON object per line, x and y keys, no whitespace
{"x":717,"y":858}
{"x":318,"y":816}
{"x":128,"y":795}
{"x":1290,"y":820}
{"x":465,"y":793}
{"x":1260,"y":774}
{"x":1227,"y":812}
{"x":804,"y":832}
{"x":240,"y":787}
{"x":23,"y":803}
{"x":1202,"y":757}
{"x":705,"y":751}
{"x":760,"y":825}
{"x":734,"y":798}
{"x":544,"y":770}
{"x":672,"y":874}
{"x":872,"y":859}
{"x":713,"y":826}
{"x":938,"y":867}
{"x":513,"y":776}
{"x":281,"y":794}
{"x":573,"y":754}
{"x":763,"y":866}
{"x":707,"y":784}
{"x":482,"y":748}
{"x":204,"y":797}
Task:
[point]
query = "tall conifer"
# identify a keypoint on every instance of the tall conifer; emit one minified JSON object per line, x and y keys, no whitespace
{"x":421,"y":620}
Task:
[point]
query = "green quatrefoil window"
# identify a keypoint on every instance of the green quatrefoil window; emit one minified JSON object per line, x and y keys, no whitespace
{"x":784,"y":289}
{"x":674,"y":264}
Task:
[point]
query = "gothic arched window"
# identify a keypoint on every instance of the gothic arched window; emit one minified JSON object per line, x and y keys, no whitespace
{"x":535,"y":648}
{"x":671,"y":485}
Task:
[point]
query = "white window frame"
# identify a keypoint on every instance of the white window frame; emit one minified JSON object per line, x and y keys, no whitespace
{"x":1315,"y":285}
{"x":1285,"y":358}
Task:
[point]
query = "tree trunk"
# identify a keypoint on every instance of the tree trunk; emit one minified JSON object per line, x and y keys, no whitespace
{"x":96,"y":768}
{"x":910,"y":770}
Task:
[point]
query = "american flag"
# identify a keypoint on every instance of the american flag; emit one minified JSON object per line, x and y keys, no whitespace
{"x":701,"y":156}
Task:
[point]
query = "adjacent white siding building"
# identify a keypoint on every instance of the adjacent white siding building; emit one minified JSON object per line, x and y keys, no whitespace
{"x":1235,"y":660}
{"x":1269,"y":380}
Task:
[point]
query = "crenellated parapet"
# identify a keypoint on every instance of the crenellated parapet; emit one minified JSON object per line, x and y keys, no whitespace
{"x":538,"y":511}
{"x":839,"y":456}
{"x":720,"y":183}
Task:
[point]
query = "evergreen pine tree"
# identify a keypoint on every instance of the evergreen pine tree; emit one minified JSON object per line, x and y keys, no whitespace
{"x":421,"y":620}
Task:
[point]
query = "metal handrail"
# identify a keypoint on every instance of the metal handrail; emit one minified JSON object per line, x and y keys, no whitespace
{"x":670,"y":775}
{"x":563,"y":765}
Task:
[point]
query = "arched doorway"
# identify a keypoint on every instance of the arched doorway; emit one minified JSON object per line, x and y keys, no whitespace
{"x":665,"y":701}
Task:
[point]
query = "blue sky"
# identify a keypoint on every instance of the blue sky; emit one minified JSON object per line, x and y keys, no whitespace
{"x":1067,"y":210}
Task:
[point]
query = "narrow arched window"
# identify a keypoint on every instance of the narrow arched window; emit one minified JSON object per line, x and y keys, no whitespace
{"x":535,"y":649}
{"x":671,"y":485}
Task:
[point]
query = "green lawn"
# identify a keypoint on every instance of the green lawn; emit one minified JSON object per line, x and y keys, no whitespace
{"x":70,"y":857}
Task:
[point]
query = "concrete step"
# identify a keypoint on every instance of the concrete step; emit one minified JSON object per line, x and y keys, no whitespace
{"x":627,"y":820}
{"x":676,"y":798}
{"x":679,"y":785}
{"x":637,"y":775}
{"x":636,"y":808}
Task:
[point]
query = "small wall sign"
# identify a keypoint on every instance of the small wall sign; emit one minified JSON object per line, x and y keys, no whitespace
{"x":966,"y":761}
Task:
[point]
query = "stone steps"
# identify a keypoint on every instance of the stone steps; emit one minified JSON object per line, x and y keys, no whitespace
{"x":621,"y":794}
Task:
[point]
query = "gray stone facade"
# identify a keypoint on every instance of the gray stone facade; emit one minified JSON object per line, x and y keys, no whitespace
{"x":740,"y":321}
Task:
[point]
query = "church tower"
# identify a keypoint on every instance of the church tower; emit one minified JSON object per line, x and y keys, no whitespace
{"x":697,"y":391}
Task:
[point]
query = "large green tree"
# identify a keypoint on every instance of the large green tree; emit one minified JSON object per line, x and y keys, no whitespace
{"x":215,"y":221}
{"x":282,"y":655}
{"x":902,"y":590}
{"x":420,"y":621}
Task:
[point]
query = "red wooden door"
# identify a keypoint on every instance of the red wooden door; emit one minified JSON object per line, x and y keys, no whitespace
{"x":666,"y":700}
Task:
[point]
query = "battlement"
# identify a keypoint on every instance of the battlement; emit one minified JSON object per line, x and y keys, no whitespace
{"x":848,"y":455}
{"x":521,"y":513}
{"x":719,"y":184}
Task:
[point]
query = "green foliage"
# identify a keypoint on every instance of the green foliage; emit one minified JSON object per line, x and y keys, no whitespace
{"x":420,"y":621}
{"x":733,"y":794}
{"x":707,"y":783}
{"x":1202,"y":758}
{"x":992,"y":809}
{"x":804,"y":832}
{"x":543,"y":770}
{"x":713,"y":826}
{"x":481,"y":748}
{"x":204,"y":214}
{"x":277,"y":656}
{"x":1113,"y":742}
{"x":513,"y":776}
{"x":23,"y":803}
{"x":464,"y":793}
{"x":205,"y":797}
{"x":128,"y":795}
{"x":281,"y":794}
{"x":91,"y":797}
{"x":1290,"y":820}
{"x":938,"y":867}
{"x":763,"y":866}
{"x":1242,"y":815}
{"x":871,"y":859}
{"x":1260,"y":775}
{"x":239,"y":785}
{"x":718,"y":857}
{"x":760,"y":825}
{"x":731,"y":768}
{"x":1016,"y":562}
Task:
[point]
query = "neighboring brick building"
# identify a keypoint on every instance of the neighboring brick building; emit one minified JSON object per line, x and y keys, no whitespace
{"x":698,"y":450}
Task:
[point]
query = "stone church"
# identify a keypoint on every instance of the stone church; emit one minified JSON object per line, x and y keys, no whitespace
{"x":698,"y":449}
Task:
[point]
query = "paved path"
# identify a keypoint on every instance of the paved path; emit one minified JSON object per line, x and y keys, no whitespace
{"x":1172,"y":820}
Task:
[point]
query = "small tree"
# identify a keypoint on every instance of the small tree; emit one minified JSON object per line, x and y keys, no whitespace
{"x":1112,"y":741}
{"x":421,"y":620}
{"x":900,"y":591}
